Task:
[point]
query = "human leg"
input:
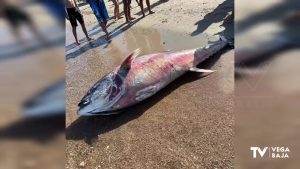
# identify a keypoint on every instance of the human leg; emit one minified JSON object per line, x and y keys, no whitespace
{"x":142,"y":7}
{"x":149,"y":7}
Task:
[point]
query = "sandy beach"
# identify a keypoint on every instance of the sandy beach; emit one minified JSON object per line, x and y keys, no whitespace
{"x":188,"y":124}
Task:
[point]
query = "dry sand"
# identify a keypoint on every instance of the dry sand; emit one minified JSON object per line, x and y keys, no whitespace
{"x":189,"y":124}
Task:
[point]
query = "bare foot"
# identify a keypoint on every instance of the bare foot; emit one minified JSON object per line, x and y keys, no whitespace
{"x":117,"y":18}
{"x":107,"y":36}
{"x":89,"y":39}
{"x":131,"y":18}
{"x":77,"y":43}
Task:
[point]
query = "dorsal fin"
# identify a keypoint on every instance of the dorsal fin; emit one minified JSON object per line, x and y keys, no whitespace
{"x":127,"y":61}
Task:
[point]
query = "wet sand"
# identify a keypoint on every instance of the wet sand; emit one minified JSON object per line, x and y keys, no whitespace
{"x":188,"y":124}
{"x":267,"y":107}
{"x":267,"y":90}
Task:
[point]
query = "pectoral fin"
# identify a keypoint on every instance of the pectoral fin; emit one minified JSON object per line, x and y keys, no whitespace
{"x":145,"y":93}
{"x":194,"y":69}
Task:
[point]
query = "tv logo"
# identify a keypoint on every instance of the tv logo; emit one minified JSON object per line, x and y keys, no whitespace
{"x":261,"y":152}
{"x":273,"y":152}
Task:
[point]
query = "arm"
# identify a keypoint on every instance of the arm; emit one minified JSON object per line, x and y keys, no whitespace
{"x":76,"y":6}
{"x":67,"y":16}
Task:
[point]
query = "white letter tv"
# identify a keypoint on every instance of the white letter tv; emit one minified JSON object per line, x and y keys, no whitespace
{"x":257,"y":149}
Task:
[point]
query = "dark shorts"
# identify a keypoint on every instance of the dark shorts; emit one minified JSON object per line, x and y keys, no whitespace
{"x":127,"y":2}
{"x":74,"y":16}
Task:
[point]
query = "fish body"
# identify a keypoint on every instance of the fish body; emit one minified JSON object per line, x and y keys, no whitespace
{"x":140,"y":77}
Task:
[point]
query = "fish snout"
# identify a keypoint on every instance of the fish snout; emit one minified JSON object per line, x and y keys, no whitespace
{"x":83,"y":112}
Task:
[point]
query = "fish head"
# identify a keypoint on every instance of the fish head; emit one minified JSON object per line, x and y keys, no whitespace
{"x":101,"y":99}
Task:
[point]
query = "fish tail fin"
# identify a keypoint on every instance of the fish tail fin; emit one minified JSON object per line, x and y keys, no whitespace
{"x":230,"y":43}
{"x":222,"y":38}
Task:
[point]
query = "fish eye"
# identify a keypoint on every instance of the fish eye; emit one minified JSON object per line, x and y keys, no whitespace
{"x":83,"y":103}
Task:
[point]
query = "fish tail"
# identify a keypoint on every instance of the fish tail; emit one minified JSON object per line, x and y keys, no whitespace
{"x":230,"y":43}
{"x":222,"y":38}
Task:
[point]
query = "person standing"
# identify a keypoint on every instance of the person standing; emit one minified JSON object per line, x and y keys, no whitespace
{"x":100,"y":11}
{"x":127,"y":11}
{"x":116,"y":10}
{"x":148,"y":6}
{"x":73,"y":15}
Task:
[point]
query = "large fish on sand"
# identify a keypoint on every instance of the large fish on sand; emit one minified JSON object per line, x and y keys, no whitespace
{"x":140,"y":77}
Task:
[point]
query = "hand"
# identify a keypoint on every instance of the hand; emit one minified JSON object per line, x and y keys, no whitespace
{"x":78,"y":10}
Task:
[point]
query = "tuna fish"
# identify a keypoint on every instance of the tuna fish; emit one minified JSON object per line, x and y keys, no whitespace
{"x":140,"y":77}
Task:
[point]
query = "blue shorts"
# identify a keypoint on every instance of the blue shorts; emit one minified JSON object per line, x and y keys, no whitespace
{"x":99,"y":9}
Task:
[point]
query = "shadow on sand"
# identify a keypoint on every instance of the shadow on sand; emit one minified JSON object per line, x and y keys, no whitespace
{"x":271,"y":14}
{"x":151,"y":6}
{"x":92,"y":32}
{"x":20,"y":52}
{"x":89,"y":128}
{"x":39,"y":129}
{"x":101,"y":41}
{"x":217,"y":15}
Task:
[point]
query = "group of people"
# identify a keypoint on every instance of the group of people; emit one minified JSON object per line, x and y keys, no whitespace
{"x":73,"y":14}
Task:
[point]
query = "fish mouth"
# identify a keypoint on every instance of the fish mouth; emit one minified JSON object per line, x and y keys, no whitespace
{"x":96,"y":112}
{"x":106,"y":113}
